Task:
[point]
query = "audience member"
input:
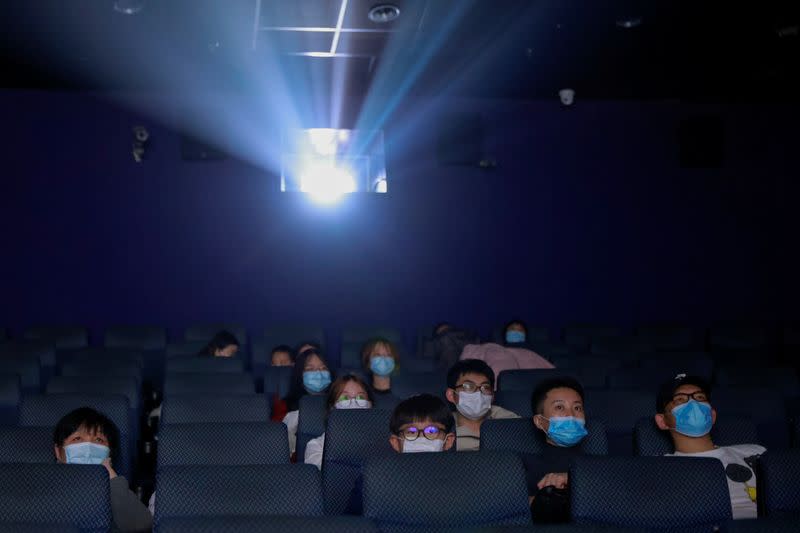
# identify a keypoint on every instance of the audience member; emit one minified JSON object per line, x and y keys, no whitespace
{"x":470,"y":387}
{"x":422,"y":415}
{"x":281,"y":356}
{"x":501,"y":358}
{"x":379,"y":358}
{"x":86,"y":437}
{"x":516,"y":332}
{"x":310,"y":375}
{"x":223,"y":344}
{"x":303,"y":346}
{"x":347,"y":392}
{"x":557,"y":404}
{"x":683,"y":408}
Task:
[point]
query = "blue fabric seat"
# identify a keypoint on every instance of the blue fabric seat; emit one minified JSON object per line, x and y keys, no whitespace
{"x":483,"y":489}
{"x":27,"y":445}
{"x":102,"y":355}
{"x":352,"y":437}
{"x":516,"y":401}
{"x":620,"y":410}
{"x":126,"y":386}
{"x":184,"y":348}
{"x":764,"y":405}
{"x":218,"y":408}
{"x":205,"y":365}
{"x":103,"y":369}
{"x":619,"y":345}
{"x":528,"y":379}
{"x":784,"y":379}
{"x":10,"y":395}
{"x":738,"y":337}
{"x":778,"y":483}
{"x":232,"y":383}
{"x":205,"y":332}
{"x":32,"y":527}
{"x":648,"y":440}
{"x":142,"y":337}
{"x":519,"y":435}
{"x":407,"y":384}
{"x":277,"y":380}
{"x":56,"y":494}
{"x":667,"y":338}
{"x":47,"y":409}
{"x":667,"y":365}
{"x":649,"y":492}
{"x":271,"y":524}
{"x":239,"y":490}
{"x":26,"y":367}
{"x":762,"y":525}
{"x":247,"y":443}
{"x":310,"y":421}
{"x":580,"y":336}
{"x":61,"y":337}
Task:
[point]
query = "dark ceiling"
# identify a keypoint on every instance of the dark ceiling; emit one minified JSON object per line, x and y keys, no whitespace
{"x":702,"y":50}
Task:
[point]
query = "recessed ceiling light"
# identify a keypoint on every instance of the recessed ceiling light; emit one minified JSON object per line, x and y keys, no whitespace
{"x":628,"y":23}
{"x":383,"y":13}
{"x":128,"y":7}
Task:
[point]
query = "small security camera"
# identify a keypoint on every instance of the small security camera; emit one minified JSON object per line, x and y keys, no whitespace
{"x":567,"y":96}
{"x":141,"y":134}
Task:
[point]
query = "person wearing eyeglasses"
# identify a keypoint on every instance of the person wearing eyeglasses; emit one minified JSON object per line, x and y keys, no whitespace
{"x":683,"y":408}
{"x":347,"y":392}
{"x":422,"y":423}
{"x":470,"y":387}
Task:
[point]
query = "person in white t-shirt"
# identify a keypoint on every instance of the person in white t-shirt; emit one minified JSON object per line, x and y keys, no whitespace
{"x":684,"y":409}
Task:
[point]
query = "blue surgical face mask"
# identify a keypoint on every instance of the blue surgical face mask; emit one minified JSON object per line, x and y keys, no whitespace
{"x":566,"y":431}
{"x":316,"y":380}
{"x":515,"y":337}
{"x":86,"y":453}
{"x":381,"y":365}
{"x":693,"y":418}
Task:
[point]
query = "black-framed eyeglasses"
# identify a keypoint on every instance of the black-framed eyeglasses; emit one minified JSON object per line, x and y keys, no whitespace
{"x":683,"y":397}
{"x":469,"y":386}
{"x":412,"y":433}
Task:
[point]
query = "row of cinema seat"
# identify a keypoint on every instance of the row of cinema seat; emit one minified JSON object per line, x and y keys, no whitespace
{"x":248,"y":485}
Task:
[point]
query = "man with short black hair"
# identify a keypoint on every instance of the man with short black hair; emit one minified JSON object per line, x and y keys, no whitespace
{"x":683,"y":408}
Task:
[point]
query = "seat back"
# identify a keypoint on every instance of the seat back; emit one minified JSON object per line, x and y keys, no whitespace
{"x":220,"y":383}
{"x":45,"y":410}
{"x":277,"y":380}
{"x":183,"y":349}
{"x":648,"y":440}
{"x":239,"y":490}
{"x":352,"y":437}
{"x":247,"y":443}
{"x":778,"y":483}
{"x":26,"y":445}
{"x":26,"y":368}
{"x":205,"y":365}
{"x":62,"y":337}
{"x":738,"y":337}
{"x":143,"y":337}
{"x":46,"y":494}
{"x":103,"y":369}
{"x":619,"y":345}
{"x":666,"y":365}
{"x":214,"y":408}
{"x":764,"y":405}
{"x":516,"y":401}
{"x":10,"y":395}
{"x":257,"y":524}
{"x":126,"y":386}
{"x":407,"y":384}
{"x":620,"y":409}
{"x":310,"y":421}
{"x":104,"y":356}
{"x":205,"y":332}
{"x":519,"y":435}
{"x":783,"y":379}
{"x":665,"y":338}
{"x":526,"y":379}
{"x":649,"y":492}
{"x":483,"y":489}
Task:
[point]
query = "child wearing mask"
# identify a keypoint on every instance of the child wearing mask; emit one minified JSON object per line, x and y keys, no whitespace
{"x":421,"y":423}
{"x":347,"y":392}
{"x":470,"y":387}
{"x":310,"y":375}
{"x":86,"y":437}
{"x":379,"y":358}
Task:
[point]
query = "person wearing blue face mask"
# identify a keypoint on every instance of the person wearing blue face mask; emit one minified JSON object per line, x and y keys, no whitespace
{"x":310,"y":375}
{"x":86,"y":437}
{"x":379,"y":358}
{"x":684,"y":409}
{"x":516,"y":332}
{"x":559,"y":416}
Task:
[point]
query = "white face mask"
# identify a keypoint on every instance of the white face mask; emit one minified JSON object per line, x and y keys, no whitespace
{"x":353,"y":403}
{"x":421,"y":444}
{"x":474,"y":405}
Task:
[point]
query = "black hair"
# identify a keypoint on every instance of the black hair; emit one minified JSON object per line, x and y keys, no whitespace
{"x":220,"y":341}
{"x":516,"y":321}
{"x":283,"y":348}
{"x":92,"y":421}
{"x":422,"y":407}
{"x":441,"y":327}
{"x":313,"y":346}
{"x":467,"y":366}
{"x":667,"y":389}
{"x":540,"y":392}
{"x":296,"y":388}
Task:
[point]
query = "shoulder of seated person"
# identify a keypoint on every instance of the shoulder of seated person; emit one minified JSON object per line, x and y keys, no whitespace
{"x":291,"y":417}
{"x":499,"y":412}
{"x":745,"y":449}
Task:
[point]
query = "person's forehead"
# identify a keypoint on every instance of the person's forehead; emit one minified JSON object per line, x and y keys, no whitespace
{"x":516,"y":325}
{"x":353,"y":387}
{"x":314,"y":360}
{"x":562,"y":394}
{"x":474,"y":377}
{"x":688,"y":389}
{"x":92,"y":432}
{"x":422,"y":424}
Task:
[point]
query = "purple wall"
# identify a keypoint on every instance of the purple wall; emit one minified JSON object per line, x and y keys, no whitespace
{"x":588,"y":217}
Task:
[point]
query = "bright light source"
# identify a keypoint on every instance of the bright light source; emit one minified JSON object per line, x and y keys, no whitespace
{"x":326,"y":183}
{"x":382,"y":187}
{"x":128,"y":7}
{"x":323,"y":140}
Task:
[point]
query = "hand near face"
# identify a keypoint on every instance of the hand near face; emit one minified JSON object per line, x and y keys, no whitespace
{"x":111,"y":473}
{"x":558,"y":480}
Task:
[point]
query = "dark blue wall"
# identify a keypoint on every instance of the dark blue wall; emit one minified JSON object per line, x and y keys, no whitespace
{"x":588,"y":216}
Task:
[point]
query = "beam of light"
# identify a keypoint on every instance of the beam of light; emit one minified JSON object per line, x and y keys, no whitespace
{"x":339,"y":23}
{"x":325,"y":182}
